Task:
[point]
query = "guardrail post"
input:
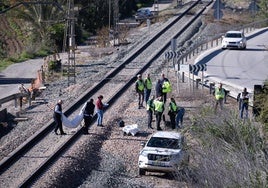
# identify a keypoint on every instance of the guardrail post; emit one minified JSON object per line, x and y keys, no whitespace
{"x":198,"y":80}
{"x":211,"y":87}
{"x":225,"y":96}
{"x":30,"y":100}
{"x":15,"y":102}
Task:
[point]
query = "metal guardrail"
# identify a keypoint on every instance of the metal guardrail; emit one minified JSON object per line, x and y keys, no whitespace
{"x":14,"y":97}
{"x":216,"y":41}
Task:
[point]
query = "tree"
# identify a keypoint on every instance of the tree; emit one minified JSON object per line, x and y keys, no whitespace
{"x":41,"y":17}
{"x":263,"y":5}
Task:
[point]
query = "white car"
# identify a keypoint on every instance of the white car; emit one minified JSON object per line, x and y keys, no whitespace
{"x":234,"y":39}
{"x":163,"y":152}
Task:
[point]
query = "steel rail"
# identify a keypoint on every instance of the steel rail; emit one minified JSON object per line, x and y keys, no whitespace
{"x":35,"y":138}
{"x":5,"y":163}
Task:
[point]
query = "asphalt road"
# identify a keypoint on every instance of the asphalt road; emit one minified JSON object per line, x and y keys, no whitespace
{"x":18,"y":73}
{"x":239,"y":68}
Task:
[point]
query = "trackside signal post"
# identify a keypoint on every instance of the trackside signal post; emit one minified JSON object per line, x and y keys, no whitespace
{"x":70,"y":28}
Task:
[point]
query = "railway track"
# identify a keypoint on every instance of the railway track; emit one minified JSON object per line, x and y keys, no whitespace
{"x":120,"y":79}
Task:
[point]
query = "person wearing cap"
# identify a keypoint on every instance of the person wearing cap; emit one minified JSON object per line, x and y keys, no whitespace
{"x":139,"y":87}
{"x":219,"y":96}
{"x":57,"y":118}
{"x":100,"y":106}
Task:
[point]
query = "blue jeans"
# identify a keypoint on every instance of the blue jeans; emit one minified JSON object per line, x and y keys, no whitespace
{"x":244,"y":106}
{"x":179,"y":117}
{"x":147,"y":93}
{"x":100,"y":116}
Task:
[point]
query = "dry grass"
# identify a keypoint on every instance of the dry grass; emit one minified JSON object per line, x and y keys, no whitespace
{"x":225,"y":152}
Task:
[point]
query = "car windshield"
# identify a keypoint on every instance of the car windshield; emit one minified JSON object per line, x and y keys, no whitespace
{"x":233,"y":35}
{"x":169,"y":143}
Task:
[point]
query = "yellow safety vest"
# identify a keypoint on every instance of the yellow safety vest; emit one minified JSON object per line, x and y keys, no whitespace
{"x":148,"y":83}
{"x":219,"y":93}
{"x":158,"y":106}
{"x":140,"y":85}
{"x":166,"y":88}
{"x":150,"y":105}
{"x":173,"y":107}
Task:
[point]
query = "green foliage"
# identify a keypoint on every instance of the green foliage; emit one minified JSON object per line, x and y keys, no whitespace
{"x":54,"y":66}
{"x":51,"y":65}
{"x":2,"y":51}
{"x":262,"y":104}
{"x":263,"y":8}
{"x":144,"y":3}
{"x":25,"y":55}
{"x":56,"y":33}
{"x":229,"y":151}
{"x":5,"y":63}
{"x":42,"y":52}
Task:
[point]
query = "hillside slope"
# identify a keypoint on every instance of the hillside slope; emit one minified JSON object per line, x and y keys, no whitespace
{"x":9,"y":42}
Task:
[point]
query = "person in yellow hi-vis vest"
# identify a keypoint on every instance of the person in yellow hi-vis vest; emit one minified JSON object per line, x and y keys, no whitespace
{"x":166,"y":87}
{"x":173,"y":109}
{"x":139,"y":86}
{"x":148,"y":87}
{"x":150,"y":111}
{"x":159,"y":108}
{"x":219,"y":96}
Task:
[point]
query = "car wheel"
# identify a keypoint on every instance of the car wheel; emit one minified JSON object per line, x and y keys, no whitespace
{"x":141,"y":172}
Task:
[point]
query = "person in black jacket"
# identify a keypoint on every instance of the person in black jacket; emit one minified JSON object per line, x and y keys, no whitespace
{"x":243,"y":99}
{"x":57,"y":118}
{"x":88,"y":114}
{"x":158,"y":89}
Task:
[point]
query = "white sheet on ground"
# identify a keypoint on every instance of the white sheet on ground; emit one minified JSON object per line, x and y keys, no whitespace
{"x":76,"y":121}
{"x":131,"y":129}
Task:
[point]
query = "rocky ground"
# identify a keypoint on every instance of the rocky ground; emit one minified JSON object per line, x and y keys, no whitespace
{"x":105,"y":157}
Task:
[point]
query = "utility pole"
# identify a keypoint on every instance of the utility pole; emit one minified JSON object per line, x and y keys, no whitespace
{"x":70,"y":35}
{"x":109,"y":4}
{"x":116,"y":20}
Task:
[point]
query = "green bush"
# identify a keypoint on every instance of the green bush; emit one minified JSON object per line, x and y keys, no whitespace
{"x":54,"y":66}
{"x":227,"y":151}
{"x":51,"y":65}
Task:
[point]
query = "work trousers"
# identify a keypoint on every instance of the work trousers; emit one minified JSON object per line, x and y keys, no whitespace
{"x":147,"y":93}
{"x":58,"y":125}
{"x":87,"y":121}
{"x":150,"y":118}
{"x":141,"y":98}
{"x":172,"y":116}
{"x":158,"y":116}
